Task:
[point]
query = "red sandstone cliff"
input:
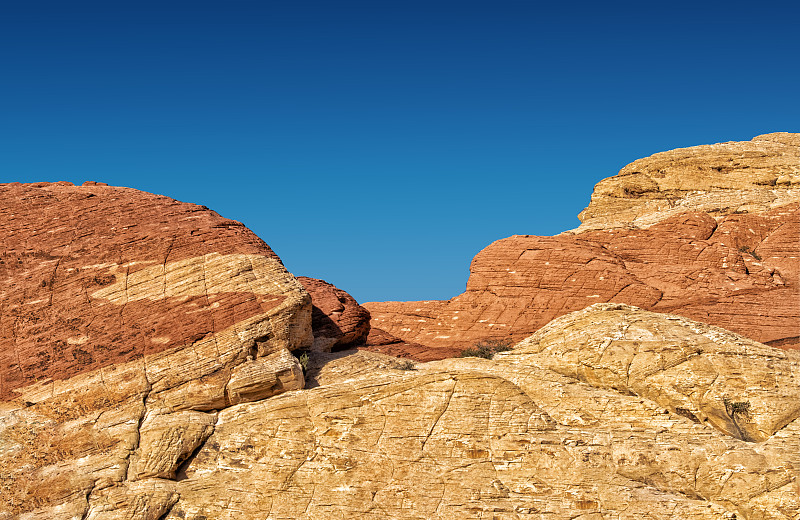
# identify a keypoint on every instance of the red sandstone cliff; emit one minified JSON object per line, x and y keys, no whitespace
{"x":734,"y":264}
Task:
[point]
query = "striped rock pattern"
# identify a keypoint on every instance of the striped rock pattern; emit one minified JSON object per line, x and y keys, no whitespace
{"x":127,"y":320}
{"x":727,"y":263}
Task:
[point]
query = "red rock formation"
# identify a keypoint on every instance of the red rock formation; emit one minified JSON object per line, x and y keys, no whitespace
{"x":741,"y":274}
{"x":95,"y":275}
{"x":720,"y":244}
{"x":385,"y":343}
{"x":338,"y":321}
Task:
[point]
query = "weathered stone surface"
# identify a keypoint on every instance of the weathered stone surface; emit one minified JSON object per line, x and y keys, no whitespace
{"x":325,"y":368}
{"x":338,"y":321}
{"x":719,"y":179}
{"x":686,"y":265}
{"x":127,"y":320}
{"x":134,"y":372}
{"x":729,"y":261}
{"x":741,"y":387}
{"x":513,"y":438}
{"x":385,"y":343}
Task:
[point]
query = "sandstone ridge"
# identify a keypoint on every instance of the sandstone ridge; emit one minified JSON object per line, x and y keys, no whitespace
{"x":735,"y":177}
{"x":683,"y":245}
{"x":147,"y":364}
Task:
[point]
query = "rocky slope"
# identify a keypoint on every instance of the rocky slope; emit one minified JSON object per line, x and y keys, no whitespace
{"x":719,"y":179}
{"x":609,"y":411}
{"x":340,"y":323}
{"x":127,"y":320}
{"x":735,"y":263}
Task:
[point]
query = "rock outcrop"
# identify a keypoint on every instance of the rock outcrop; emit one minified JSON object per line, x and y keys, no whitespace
{"x":719,"y":179}
{"x":385,"y":343}
{"x":127,"y":321}
{"x":732,"y":265}
{"x":594,"y":416}
{"x":338,"y":321}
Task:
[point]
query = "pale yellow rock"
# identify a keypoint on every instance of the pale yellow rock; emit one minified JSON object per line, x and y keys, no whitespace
{"x":148,"y":499}
{"x":747,"y":177}
{"x":741,"y":387}
{"x":515,"y":437}
{"x":167,"y":440}
{"x":581,"y":420}
{"x":264,"y":377}
{"x":446,"y":443}
{"x":326,"y":368}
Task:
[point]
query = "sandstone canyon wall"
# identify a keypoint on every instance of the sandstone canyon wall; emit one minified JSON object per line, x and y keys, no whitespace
{"x":708,"y":232}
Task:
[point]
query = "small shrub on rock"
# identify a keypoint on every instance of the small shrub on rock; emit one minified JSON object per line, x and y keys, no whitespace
{"x":303,"y":359}
{"x":736,"y":408}
{"x":745,"y":249}
{"x":487,"y":348}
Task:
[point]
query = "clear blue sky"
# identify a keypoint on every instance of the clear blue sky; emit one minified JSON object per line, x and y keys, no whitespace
{"x":380,"y":144}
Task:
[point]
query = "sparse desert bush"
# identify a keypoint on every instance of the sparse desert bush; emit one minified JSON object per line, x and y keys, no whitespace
{"x":406,"y":365}
{"x":487,"y":348}
{"x":303,"y":359}
{"x":734,"y":408}
{"x":745,"y":249}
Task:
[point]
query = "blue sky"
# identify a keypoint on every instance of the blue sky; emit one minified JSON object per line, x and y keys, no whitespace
{"x":380,"y":145}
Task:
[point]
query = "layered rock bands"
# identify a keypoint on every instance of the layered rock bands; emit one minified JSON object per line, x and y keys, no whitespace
{"x":147,"y":367}
{"x":710,"y":232}
{"x":127,"y":320}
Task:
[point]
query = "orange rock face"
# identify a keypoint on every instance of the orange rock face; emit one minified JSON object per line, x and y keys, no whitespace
{"x":338,"y":321}
{"x":385,"y":343}
{"x":95,"y":275}
{"x":732,"y":265}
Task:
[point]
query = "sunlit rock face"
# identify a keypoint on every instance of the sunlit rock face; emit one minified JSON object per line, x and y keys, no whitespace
{"x":147,"y":370}
{"x":711,"y":233}
{"x":719,"y":179}
{"x":610,"y":411}
{"x":128,"y":320}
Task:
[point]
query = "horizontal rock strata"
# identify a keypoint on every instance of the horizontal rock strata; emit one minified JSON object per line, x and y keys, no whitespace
{"x":128,"y":319}
{"x":735,"y":266}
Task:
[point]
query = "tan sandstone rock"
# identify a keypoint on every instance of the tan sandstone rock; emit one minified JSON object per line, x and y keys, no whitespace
{"x":146,"y":372}
{"x":750,"y":176}
{"x":514,"y":437}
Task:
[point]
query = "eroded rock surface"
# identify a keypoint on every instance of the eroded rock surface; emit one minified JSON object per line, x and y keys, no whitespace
{"x":146,"y":367}
{"x":728,"y":263}
{"x":338,"y":321}
{"x":520,"y":437}
{"x":750,"y":176}
{"x":127,"y":321}
{"x":381,"y":341}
